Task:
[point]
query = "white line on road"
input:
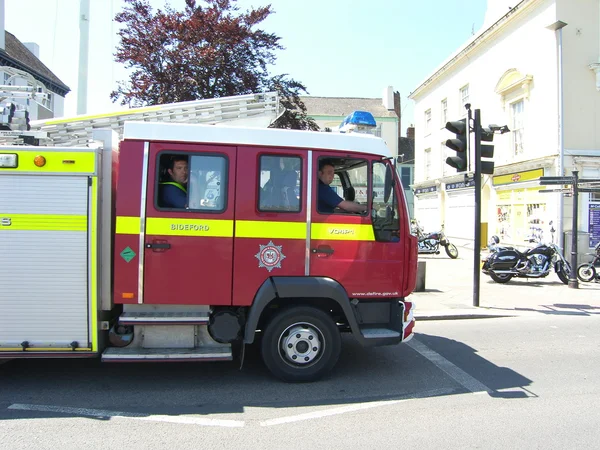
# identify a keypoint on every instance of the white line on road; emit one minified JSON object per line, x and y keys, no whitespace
{"x":459,"y":375}
{"x":347,"y":408}
{"x":128,"y":415}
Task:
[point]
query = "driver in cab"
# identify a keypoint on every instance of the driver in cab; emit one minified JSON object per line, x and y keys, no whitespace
{"x":328,"y":198}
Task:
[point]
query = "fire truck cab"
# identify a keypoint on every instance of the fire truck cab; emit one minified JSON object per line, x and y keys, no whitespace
{"x":188,"y":242}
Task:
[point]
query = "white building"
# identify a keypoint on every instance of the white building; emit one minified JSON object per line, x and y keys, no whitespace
{"x":511,"y":70}
{"x":25,"y":57}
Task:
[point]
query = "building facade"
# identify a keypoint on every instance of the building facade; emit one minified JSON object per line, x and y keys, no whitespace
{"x":528,"y":70}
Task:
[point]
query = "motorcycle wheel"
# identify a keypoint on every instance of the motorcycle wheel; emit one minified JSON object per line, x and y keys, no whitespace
{"x":586,"y":272}
{"x":452,"y":251}
{"x":501,"y":278}
{"x":563,"y":273}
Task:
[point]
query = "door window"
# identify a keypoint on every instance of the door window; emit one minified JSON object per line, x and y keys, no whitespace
{"x":342,"y":181}
{"x":384,"y":212}
{"x":192,"y":182}
{"x":280,"y":188}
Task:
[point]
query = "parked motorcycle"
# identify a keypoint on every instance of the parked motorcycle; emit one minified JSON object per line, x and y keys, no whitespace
{"x":504,"y":262}
{"x":588,"y":272}
{"x":429,"y":243}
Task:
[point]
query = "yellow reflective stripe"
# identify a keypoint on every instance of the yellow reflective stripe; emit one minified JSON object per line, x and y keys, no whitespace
{"x":268,"y":230}
{"x":94,"y":266}
{"x":341,"y":232}
{"x":76,"y":119}
{"x":42,"y":222}
{"x":189,"y":227}
{"x":56,"y":162}
{"x":127,"y":225}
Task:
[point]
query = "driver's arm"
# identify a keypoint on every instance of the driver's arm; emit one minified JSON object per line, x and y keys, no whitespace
{"x":352,"y":207}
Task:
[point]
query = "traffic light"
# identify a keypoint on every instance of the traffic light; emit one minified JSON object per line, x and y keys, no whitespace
{"x":458,"y":144}
{"x":486,"y":150}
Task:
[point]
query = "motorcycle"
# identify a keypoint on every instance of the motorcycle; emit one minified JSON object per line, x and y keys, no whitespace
{"x":429,"y":243}
{"x":588,"y":272}
{"x":504,"y":262}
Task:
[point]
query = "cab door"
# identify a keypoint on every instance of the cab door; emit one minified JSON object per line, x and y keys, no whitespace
{"x":271,"y":216}
{"x":367,"y":261}
{"x":188,"y":252}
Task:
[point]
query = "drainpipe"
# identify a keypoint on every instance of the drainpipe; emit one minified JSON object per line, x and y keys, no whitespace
{"x":557,"y":28}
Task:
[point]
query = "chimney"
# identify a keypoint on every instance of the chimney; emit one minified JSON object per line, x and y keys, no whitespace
{"x":398,"y":111}
{"x":410,"y":133}
{"x":388,"y":98}
{"x":33,"y":48}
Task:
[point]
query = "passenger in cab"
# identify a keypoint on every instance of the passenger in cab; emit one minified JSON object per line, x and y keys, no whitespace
{"x":173,"y":193}
{"x":328,"y":198}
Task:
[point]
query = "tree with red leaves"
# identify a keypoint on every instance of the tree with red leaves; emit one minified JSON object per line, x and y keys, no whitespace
{"x":202,"y":52}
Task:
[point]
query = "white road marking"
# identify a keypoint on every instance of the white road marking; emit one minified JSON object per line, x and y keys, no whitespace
{"x":459,"y":375}
{"x":128,"y":415}
{"x":348,"y":408}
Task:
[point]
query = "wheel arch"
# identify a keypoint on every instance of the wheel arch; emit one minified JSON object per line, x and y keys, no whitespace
{"x":321,"y":292}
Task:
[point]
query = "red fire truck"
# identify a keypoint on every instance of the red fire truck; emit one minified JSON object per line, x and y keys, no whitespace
{"x":94,"y":262}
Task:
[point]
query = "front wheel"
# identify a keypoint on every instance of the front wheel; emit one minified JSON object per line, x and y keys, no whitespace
{"x":452,"y":251}
{"x":301,"y":344}
{"x":586,"y":272}
{"x":563,"y":272}
{"x":501,"y":277}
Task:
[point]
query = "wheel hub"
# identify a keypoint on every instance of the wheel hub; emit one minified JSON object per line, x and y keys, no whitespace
{"x":300,"y":343}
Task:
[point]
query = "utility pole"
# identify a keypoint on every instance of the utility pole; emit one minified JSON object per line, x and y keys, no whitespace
{"x":84,"y":38}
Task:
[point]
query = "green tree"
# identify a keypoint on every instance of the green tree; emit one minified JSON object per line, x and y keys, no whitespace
{"x":202,"y":52}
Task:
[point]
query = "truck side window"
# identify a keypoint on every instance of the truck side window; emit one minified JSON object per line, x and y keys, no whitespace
{"x":192,"y":182}
{"x":279,"y":183}
{"x":384,"y":213}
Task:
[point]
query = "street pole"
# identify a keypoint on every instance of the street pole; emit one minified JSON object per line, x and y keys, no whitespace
{"x":573,"y":283}
{"x":477,"y":243}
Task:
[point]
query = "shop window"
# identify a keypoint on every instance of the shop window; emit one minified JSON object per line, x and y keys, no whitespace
{"x":279,"y":183}
{"x":195,"y":183}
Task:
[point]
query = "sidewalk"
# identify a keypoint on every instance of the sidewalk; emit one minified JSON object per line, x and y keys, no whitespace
{"x":449,"y":293}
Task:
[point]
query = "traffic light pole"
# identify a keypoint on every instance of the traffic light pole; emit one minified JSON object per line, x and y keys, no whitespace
{"x":477,"y":176}
{"x":573,"y":283}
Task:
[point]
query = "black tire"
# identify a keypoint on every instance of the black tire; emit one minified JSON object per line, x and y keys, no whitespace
{"x":586,"y":272}
{"x":563,"y":272}
{"x":501,"y":278}
{"x":451,"y":251}
{"x":308,"y":325}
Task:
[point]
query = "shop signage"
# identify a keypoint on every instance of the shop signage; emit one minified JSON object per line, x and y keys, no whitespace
{"x":518,"y":177}
{"x":425,"y":190}
{"x":460,"y":185}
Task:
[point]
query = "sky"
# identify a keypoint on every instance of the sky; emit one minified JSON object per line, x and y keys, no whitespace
{"x":336,"y":48}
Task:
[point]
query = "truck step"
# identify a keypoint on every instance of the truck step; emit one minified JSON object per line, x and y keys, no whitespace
{"x":379,"y":333}
{"x":163,"y":318}
{"x":126,"y":354}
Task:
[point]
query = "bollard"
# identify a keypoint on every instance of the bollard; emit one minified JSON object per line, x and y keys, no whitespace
{"x":421,"y":272}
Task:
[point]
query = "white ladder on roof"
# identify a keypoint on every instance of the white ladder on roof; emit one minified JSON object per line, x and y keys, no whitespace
{"x":257,"y":110}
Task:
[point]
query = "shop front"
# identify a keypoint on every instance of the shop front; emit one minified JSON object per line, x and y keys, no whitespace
{"x":523,"y":213}
{"x":460,"y":209}
{"x":427,"y":207}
